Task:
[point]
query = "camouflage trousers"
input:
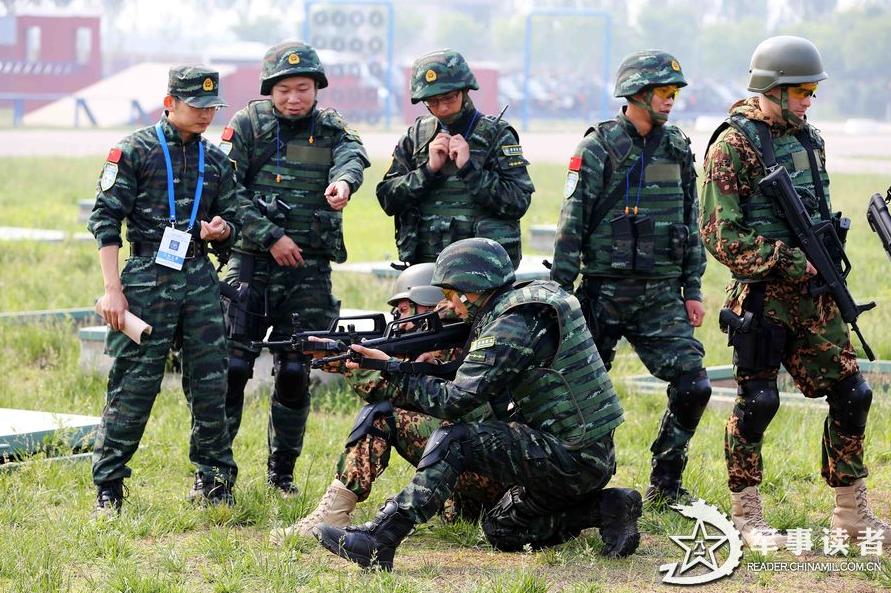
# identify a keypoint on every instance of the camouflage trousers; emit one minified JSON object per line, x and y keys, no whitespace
{"x":184,"y":303}
{"x":651,"y":315}
{"x":512,"y":453}
{"x":276,"y":293}
{"x":362,"y":462}
{"x":816,"y":350}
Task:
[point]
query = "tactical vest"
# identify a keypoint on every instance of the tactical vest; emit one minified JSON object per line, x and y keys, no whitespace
{"x":298,"y":176}
{"x":760,"y":211}
{"x":662,"y":235}
{"x":447,"y":213}
{"x":572,"y":398}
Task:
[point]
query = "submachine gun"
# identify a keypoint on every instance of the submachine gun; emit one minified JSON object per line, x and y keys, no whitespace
{"x":822,"y":246}
{"x":407,"y":337}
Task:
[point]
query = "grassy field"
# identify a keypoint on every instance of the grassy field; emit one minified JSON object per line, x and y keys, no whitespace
{"x":161,"y":544}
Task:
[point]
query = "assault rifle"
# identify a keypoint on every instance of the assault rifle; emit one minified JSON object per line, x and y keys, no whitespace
{"x":820,"y":243}
{"x":342,"y":332}
{"x":407,"y":337}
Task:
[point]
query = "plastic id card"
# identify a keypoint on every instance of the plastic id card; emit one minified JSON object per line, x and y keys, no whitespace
{"x":174,"y":245}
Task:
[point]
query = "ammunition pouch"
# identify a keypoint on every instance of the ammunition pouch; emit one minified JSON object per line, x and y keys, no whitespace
{"x":679,"y":241}
{"x":634,"y":243}
{"x":407,"y":223}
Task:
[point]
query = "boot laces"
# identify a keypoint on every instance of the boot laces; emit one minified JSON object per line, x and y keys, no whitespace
{"x":324,"y":505}
{"x":863,"y":510}
{"x":754,"y":513}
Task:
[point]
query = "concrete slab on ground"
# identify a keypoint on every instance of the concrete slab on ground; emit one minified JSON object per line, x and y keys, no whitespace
{"x":23,"y":432}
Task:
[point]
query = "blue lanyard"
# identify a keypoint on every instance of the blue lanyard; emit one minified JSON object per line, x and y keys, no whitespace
{"x":171,"y":196}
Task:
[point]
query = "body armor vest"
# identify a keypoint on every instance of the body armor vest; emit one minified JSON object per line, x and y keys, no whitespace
{"x":651,"y":244}
{"x":571,"y":398}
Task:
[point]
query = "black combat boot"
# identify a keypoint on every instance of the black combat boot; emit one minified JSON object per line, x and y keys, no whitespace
{"x":620,"y":508}
{"x":109,"y":498}
{"x":371,"y":545}
{"x":665,"y":483}
{"x":280,"y":473}
{"x":208,"y":490}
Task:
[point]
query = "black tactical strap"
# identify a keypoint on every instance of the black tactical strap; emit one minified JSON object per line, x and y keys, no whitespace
{"x":805,"y":139}
{"x":445,"y":369}
{"x":286,"y":134}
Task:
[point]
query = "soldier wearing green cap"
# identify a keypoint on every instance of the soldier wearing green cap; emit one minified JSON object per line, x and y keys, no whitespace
{"x":533,"y":361}
{"x":456,"y":173}
{"x":787,"y":324}
{"x":297,"y":166}
{"x":177,"y":194}
{"x":628,"y":224}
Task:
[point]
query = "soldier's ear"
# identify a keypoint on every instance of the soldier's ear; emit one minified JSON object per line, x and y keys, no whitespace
{"x":169,"y":102}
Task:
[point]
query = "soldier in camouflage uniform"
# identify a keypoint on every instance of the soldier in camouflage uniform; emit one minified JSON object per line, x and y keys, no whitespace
{"x":533,"y":361}
{"x":141,"y":175}
{"x":456,"y":173}
{"x":629,"y":216}
{"x":298,"y":165}
{"x":380,"y":428}
{"x":805,"y":333}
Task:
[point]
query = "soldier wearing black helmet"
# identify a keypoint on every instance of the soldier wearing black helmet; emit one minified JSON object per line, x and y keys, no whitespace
{"x":456,"y":173}
{"x":298,"y":165}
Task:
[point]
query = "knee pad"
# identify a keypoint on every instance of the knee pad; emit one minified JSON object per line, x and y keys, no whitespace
{"x":241,"y":369}
{"x":291,"y":380}
{"x":758,"y":403}
{"x":688,"y":397}
{"x":365,"y":423}
{"x":447,"y":443}
{"x":849,"y":404}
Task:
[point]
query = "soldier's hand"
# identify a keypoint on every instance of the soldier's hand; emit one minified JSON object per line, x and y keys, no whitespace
{"x":695,"y":312}
{"x":111,"y":306}
{"x":367,"y":353}
{"x":438,"y":151}
{"x":215,"y":230}
{"x":810,"y":270}
{"x":338,"y":194}
{"x":459,"y":150}
{"x":317,"y":353}
{"x":286,"y":253}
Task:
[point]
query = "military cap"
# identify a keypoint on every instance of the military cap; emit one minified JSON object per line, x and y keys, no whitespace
{"x":440,"y":72}
{"x":198,"y":86}
{"x":784,"y":59}
{"x":414,"y":284}
{"x":291,"y":58}
{"x":649,"y":67}
{"x":473,"y":265}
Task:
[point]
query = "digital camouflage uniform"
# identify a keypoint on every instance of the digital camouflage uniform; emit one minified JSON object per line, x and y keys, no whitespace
{"x":533,"y":361}
{"x":186,"y":303}
{"x":485,"y":198}
{"x":287,"y":184}
{"x":806,"y":334}
{"x":630,"y":228}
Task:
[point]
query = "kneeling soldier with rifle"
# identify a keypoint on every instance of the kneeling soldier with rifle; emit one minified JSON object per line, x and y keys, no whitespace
{"x":766,"y":216}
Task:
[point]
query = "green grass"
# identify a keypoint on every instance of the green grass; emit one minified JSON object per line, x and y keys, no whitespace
{"x":48,"y":542}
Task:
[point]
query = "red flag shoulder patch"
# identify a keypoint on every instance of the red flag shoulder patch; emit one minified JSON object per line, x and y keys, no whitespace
{"x":575,"y":163}
{"x":228,"y":133}
{"x":114,"y":155}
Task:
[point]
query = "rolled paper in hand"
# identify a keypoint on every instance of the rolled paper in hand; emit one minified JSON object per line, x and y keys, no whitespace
{"x":134,"y":327}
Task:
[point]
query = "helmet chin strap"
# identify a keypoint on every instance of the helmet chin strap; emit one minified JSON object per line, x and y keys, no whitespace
{"x":656,"y":118}
{"x":783,"y":102}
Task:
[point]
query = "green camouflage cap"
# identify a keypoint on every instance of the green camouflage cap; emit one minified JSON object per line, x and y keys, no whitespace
{"x":649,"y":67}
{"x":291,"y":58}
{"x":784,"y":59}
{"x":414,"y":284}
{"x":440,"y":72}
{"x":473,"y":265}
{"x":198,"y":86}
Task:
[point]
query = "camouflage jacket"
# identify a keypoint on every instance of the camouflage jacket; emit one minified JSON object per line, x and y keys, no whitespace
{"x":608,"y":154}
{"x":255,"y":128}
{"x":499,"y":189}
{"x":732,"y":171}
{"x":133,"y":186}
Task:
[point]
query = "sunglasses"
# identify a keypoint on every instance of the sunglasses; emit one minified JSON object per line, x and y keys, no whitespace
{"x":803,"y":91}
{"x":668,"y":91}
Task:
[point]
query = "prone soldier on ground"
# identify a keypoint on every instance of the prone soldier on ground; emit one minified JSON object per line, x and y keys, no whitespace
{"x":161,"y":180}
{"x":456,"y":173}
{"x":380,"y":427}
{"x":628,"y":224}
{"x":773,"y":315}
{"x":554,"y":411}
{"x":297,"y":165}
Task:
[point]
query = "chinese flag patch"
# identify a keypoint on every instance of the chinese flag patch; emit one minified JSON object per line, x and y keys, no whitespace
{"x":114,"y":155}
{"x":228,"y":133}
{"x":575,"y":163}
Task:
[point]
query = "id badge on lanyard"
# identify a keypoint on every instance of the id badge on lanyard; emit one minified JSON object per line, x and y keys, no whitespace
{"x":175,"y":243}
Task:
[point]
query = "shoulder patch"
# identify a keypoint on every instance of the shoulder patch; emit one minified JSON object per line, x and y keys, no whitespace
{"x":228,"y":133}
{"x":512,"y":150}
{"x":487,"y":358}
{"x":109,"y":175}
{"x":572,"y":180}
{"x":482,"y":343}
{"x":114,"y":155}
{"x":226,"y":147}
{"x":575,"y":163}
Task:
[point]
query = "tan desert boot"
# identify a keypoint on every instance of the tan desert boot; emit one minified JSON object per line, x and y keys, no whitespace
{"x":335,"y":509}
{"x":852,"y":512}
{"x":748,"y":517}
